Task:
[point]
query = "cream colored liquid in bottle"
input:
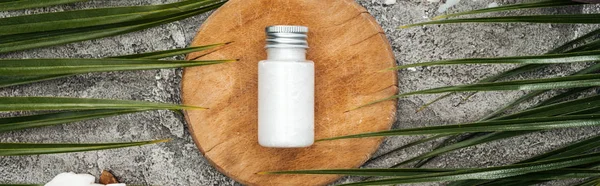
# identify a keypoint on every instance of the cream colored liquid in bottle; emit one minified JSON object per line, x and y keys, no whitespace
{"x":286,"y":82}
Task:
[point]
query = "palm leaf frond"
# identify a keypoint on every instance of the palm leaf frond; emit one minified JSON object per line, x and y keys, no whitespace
{"x":541,"y":4}
{"x":170,"y":53}
{"x":531,"y":67}
{"x":483,"y":173}
{"x":574,"y":81}
{"x":51,"y":37}
{"x":589,"y":182}
{"x":541,"y":110}
{"x":563,"y":108}
{"x":526,"y":124}
{"x":516,"y":71}
{"x":414,"y":143}
{"x":42,"y":120}
{"x":19,"y":149}
{"x":64,"y":103}
{"x":38,"y":67}
{"x":567,"y":173}
{"x":564,"y":19}
{"x":485,"y":138}
{"x":25,"y":4}
{"x":366,"y":172}
{"x":6,"y":81}
{"x":575,"y":148}
{"x":92,"y":17}
{"x":576,"y":57}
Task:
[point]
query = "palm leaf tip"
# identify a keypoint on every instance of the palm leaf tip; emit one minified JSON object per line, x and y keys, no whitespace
{"x":160,"y":141}
{"x":188,"y":107}
{"x":387,"y":69}
{"x":424,"y":106}
{"x":373,"y":103}
{"x":170,"y":53}
{"x":342,"y":137}
{"x":406,"y":26}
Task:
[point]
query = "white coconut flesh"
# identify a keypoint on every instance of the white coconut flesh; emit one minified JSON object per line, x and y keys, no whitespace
{"x":72,"y":179}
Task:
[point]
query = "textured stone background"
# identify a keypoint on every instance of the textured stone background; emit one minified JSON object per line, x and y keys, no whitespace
{"x":179,"y":162}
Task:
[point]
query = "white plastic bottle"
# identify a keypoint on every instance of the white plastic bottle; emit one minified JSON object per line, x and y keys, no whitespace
{"x":286,"y":82}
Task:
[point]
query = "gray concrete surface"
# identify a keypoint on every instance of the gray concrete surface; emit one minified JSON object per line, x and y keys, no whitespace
{"x":179,"y":162}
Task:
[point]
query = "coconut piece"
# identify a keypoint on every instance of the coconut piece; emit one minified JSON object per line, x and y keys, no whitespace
{"x":72,"y":179}
{"x":107,"y":178}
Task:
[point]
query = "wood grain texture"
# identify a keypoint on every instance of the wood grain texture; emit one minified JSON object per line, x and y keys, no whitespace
{"x":349,"y":50}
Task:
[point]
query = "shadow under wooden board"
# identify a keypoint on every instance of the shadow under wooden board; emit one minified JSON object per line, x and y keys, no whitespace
{"x":349,"y":49}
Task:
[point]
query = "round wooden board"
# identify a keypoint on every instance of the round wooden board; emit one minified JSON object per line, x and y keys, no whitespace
{"x":349,"y":49}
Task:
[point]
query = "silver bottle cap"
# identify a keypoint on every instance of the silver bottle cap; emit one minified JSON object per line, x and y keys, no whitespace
{"x":286,"y":36}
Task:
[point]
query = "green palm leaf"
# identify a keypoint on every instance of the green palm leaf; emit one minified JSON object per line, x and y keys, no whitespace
{"x":484,"y":138}
{"x":561,"y":96}
{"x":558,"y":109}
{"x":92,"y":17}
{"x":41,"y":30}
{"x":407,"y":146}
{"x":578,"y":147}
{"x":26,"y":41}
{"x":19,"y":149}
{"x":510,"y":73}
{"x":592,"y":46}
{"x":480,"y":173}
{"x":520,"y":172}
{"x":590,"y":182}
{"x":37,"y":67}
{"x":552,"y":100}
{"x":58,"y":103}
{"x":42,"y":120}
{"x":170,"y":53}
{"x":530,"y":67}
{"x":567,"y":173}
{"x":463,"y":144}
{"x":6,"y":81}
{"x":541,"y":4}
{"x":581,"y":39}
{"x":565,"y":19}
{"x":366,"y":172}
{"x":532,"y":178}
{"x":527,"y":124}
{"x":25,"y":4}
{"x":500,"y":135}
{"x":563,"y":108}
{"x":576,"y":57}
{"x":573,"y":81}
